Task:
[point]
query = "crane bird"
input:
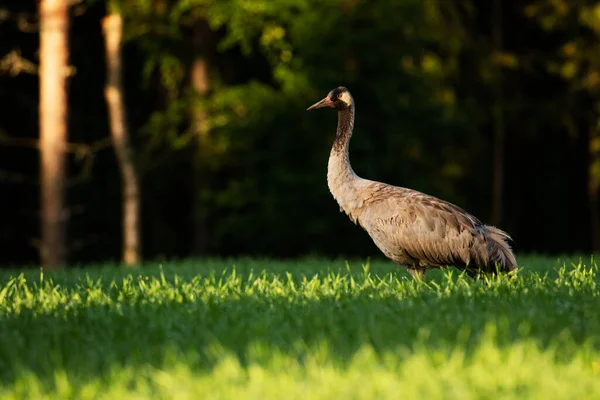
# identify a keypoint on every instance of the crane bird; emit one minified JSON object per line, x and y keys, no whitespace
{"x":413,"y":229}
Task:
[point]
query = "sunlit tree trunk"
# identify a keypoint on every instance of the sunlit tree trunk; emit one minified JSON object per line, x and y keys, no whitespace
{"x":498,"y":118}
{"x":54,"y":53}
{"x":112,"y":26}
{"x":200,"y":81}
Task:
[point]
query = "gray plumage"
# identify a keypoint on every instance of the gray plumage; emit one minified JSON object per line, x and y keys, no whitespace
{"x":411,"y":228}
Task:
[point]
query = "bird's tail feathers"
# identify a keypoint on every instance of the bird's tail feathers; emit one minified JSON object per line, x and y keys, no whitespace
{"x":500,"y":252}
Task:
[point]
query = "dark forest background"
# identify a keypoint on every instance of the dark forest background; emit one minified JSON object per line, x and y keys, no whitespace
{"x":493,"y":105}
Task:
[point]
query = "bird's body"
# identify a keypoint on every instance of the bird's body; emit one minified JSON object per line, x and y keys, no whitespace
{"x":411,"y":228}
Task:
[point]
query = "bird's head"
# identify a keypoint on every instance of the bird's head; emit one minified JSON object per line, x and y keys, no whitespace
{"x":339,"y":98}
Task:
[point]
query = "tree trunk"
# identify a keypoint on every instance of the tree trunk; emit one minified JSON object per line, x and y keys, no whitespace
{"x":112,"y":25}
{"x":54,"y":53}
{"x":199,"y":75}
{"x":499,"y":127}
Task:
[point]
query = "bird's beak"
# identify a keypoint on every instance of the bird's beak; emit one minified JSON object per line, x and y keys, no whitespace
{"x":323,"y":103}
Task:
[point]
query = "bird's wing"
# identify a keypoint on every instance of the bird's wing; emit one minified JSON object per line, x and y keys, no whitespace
{"x":410,"y":224}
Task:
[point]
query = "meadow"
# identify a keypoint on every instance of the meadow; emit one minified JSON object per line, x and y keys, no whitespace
{"x":304,"y":329}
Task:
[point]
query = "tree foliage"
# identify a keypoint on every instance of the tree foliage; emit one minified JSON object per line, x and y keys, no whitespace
{"x":425,"y":76}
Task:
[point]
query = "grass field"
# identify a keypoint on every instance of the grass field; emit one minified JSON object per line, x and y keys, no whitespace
{"x":309,"y":329}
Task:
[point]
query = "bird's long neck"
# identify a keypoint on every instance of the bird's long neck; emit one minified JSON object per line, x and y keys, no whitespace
{"x":343,"y":133}
{"x":340,"y":176}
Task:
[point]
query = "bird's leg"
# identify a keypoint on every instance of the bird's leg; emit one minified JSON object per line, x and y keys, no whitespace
{"x":418,"y":274}
{"x":478,"y":276}
{"x":474,"y":274}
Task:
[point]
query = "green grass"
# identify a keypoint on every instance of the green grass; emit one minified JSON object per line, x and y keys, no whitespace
{"x":306,"y":329}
